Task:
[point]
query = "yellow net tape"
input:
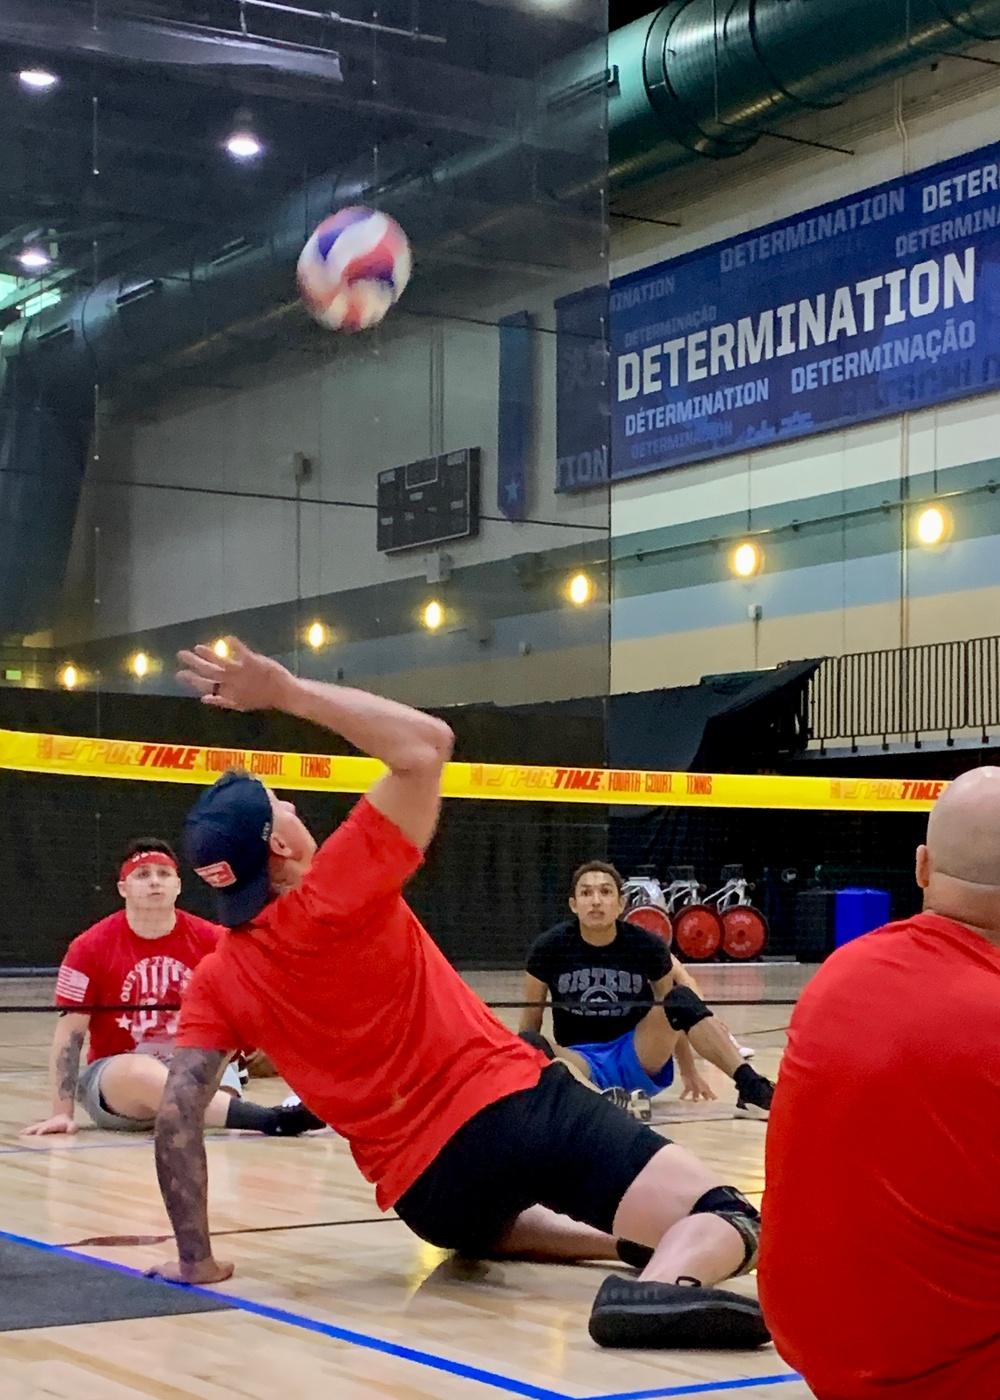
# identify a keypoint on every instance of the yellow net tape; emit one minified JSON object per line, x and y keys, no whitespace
{"x":182,"y":763}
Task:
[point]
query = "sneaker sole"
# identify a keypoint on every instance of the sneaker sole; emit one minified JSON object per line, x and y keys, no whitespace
{"x":750,"y":1110}
{"x":705,"y":1325}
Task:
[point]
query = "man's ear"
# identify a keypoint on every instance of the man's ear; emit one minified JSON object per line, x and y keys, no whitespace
{"x":572,"y":904}
{"x":923,"y":867}
{"x":278,"y":847}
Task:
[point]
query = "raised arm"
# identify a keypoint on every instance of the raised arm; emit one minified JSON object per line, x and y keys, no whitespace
{"x":536,"y":993}
{"x":412,"y":745}
{"x":182,"y":1167}
{"x":64,"y":1070}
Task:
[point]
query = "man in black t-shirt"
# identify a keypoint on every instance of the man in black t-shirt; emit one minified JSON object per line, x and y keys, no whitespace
{"x":622,"y":1008}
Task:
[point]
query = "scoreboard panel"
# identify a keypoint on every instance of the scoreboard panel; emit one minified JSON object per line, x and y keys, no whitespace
{"x":429,"y":502}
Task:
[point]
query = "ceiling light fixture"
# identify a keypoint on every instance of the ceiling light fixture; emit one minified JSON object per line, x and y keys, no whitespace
{"x":139,"y":665}
{"x":69,"y":676}
{"x":34,"y":259}
{"x":433,"y":616}
{"x":316,"y":636}
{"x":37,"y":79}
{"x":243,"y":143}
{"x":221,"y":648}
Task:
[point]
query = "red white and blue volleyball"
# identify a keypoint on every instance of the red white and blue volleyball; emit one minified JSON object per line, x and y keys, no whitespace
{"x":354,"y":268}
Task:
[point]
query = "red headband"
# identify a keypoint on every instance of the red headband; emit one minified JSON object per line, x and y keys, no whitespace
{"x":146,"y":858}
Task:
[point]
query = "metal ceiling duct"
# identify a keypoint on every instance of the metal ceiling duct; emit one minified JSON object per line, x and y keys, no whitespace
{"x":697,"y":78}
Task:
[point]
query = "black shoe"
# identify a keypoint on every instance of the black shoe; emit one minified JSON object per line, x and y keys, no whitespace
{"x":293,"y":1122}
{"x":756,"y":1094}
{"x":628,"y":1313}
{"x":621,"y":1098}
{"x":637,"y":1256}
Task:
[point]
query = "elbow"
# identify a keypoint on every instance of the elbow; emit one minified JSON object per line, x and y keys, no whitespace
{"x":433,"y":750}
{"x":442,"y":740}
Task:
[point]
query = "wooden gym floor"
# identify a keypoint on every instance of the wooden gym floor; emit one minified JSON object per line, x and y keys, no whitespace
{"x":329,"y":1299}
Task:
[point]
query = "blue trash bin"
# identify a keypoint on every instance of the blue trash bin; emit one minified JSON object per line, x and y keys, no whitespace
{"x":857,"y":912}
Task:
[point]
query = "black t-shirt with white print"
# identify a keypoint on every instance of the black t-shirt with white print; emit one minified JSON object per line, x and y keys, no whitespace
{"x":605,"y":991}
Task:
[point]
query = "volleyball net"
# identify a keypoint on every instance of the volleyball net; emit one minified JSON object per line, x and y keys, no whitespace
{"x":499,"y":870}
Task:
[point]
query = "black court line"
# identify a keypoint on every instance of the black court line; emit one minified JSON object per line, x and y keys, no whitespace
{"x":133,"y":1241}
{"x":493,"y":1006}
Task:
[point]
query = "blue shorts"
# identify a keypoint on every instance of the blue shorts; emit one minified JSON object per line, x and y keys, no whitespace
{"x":615,"y":1063}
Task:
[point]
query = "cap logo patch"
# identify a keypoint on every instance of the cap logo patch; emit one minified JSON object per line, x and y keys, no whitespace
{"x":219,"y":876}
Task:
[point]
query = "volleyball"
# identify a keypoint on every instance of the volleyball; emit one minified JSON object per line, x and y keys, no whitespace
{"x":353,"y":269}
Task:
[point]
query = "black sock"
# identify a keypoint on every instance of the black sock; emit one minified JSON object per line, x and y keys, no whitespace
{"x":253,"y":1117}
{"x":745,"y":1076}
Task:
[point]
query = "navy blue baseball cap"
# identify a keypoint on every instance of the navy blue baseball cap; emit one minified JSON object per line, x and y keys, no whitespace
{"x":227,"y":839}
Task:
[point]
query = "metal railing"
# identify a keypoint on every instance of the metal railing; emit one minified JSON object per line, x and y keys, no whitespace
{"x":910,"y":694}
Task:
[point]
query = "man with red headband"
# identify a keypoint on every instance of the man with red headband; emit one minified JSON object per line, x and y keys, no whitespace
{"x":142,"y":956}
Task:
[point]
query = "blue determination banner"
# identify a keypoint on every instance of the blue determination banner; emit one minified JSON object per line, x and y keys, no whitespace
{"x":865,"y":307}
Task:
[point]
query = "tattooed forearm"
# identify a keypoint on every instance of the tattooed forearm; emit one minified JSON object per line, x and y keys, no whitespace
{"x":181,"y":1164}
{"x":66,"y":1049}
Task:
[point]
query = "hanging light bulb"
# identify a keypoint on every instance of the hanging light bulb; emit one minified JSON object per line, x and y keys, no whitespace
{"x":243,"y":144}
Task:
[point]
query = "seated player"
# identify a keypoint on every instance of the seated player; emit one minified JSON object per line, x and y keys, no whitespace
{"x":881,"y":1275}
{"x":479,"y":1144}
{"x":145,"y":953}
{"x":623,"y":1007}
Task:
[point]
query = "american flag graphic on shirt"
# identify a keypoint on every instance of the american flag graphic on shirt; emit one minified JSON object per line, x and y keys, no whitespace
{"x":72,"y":985}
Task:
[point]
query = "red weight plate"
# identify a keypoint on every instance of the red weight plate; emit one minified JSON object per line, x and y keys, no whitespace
{"x":657,"y":921}
{"x":698,"y":932}
{"x":744,"y":932}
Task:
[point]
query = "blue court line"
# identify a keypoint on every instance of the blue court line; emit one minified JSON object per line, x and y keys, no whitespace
{"x":309,"y":1324}
{"x":702,"y":1387}
{"x":400,"y":1352}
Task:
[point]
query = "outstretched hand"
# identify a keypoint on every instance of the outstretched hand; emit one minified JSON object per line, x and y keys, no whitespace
{"x":240,"y":680}
{"x":59,"y":1123}
{"x":696,"y":1089}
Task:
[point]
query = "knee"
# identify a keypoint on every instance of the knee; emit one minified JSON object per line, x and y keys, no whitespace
{"x":733,"y":1207}
{"x":684,"y":1010}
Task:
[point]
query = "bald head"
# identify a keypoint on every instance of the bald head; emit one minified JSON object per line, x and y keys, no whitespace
{"x":959,"y":867}
{"x":963,"y":834}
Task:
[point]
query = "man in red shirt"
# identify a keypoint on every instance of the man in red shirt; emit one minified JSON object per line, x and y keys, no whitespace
{"x":478,"y":1144}
{"x":880,"y":1269}
{"x":144,"y":954}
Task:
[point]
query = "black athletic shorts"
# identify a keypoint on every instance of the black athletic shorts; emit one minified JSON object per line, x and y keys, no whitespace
{"x":557,"y":1145}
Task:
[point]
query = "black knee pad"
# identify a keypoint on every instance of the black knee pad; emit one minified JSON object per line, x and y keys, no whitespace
{"x":684,"y":1009}
{"x":537,"y":1041}
{"x":729,"y":1205}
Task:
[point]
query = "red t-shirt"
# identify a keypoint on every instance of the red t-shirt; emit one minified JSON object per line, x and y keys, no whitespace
{"x":880,"y":1251}
{"x":340,"y":985}
{"x":109,"y":964}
